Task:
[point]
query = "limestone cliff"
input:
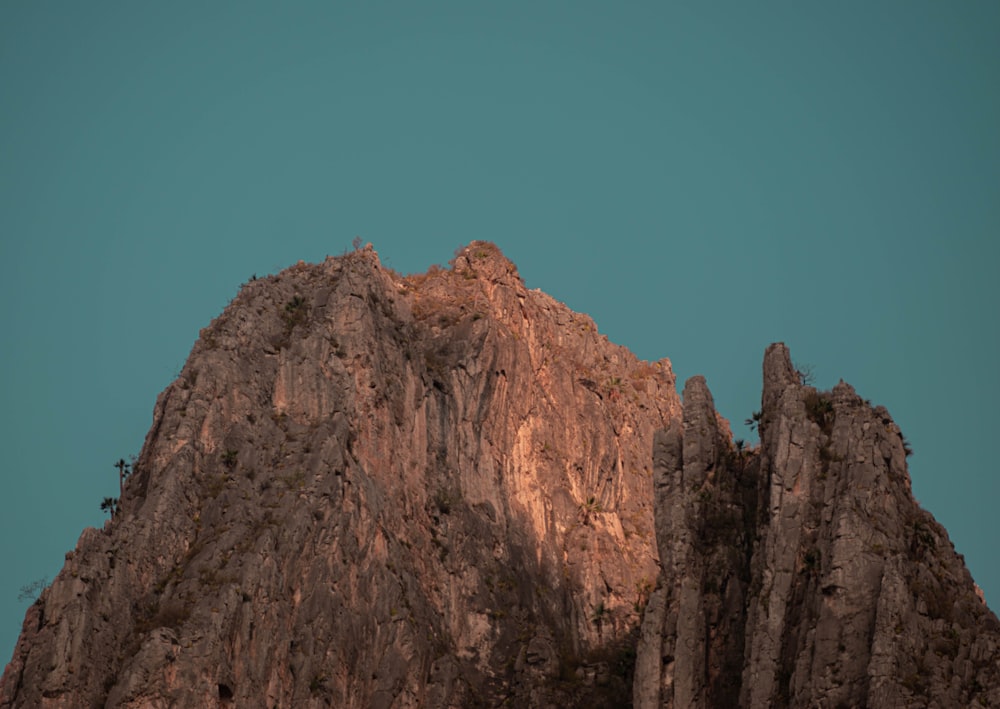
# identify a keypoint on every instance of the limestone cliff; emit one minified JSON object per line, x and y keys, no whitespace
{"x":804,"y":574}
{"x":442,"y":490}
{"x":365,"y":490}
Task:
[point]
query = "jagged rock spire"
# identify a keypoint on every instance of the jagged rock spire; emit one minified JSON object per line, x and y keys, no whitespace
{"x":806,"y":575}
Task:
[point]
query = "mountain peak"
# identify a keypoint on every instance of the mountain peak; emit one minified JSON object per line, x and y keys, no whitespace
{"x":484,"y":259}
{"x":444,"y":489}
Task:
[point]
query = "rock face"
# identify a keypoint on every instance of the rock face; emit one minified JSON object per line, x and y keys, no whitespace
{"x":804,"y":574}
{"x":366,"y":490}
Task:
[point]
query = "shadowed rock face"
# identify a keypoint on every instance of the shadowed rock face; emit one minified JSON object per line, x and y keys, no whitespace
{"x":366,"y":490}
{"x":805,"y":574}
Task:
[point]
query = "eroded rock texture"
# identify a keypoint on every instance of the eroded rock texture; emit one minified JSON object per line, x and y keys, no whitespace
{"x":804,"y":574}
{"x":366,"y":490}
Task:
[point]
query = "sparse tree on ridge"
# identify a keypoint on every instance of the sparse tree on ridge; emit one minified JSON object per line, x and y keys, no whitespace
{"x":112,"y":505}
{"x":31,"y":591}
{"x":806,"y":374}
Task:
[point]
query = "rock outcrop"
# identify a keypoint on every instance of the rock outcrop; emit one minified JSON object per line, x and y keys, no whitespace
{"x":445,"y":490}
{"x":365,"y":490}
{"x":804,"y":574}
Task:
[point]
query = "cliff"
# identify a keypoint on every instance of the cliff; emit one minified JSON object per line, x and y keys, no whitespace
{"x":804,"y":574}
{"x":369,"y":490}
{"x":365,"y":490}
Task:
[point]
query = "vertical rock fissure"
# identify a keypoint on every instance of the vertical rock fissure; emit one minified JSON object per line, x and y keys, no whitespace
{"x":706,"y":517}
{"x":805,"y":570}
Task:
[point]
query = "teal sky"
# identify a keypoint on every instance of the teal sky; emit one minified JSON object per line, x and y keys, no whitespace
{"x":701,"y":181}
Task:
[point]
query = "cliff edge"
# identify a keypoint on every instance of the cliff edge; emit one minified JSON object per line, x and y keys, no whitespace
{"x":447,"y":490}
{"x":804,"y":574}
{"x":365,"y":490}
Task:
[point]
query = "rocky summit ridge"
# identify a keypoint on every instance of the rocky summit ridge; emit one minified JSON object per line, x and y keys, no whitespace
{"x":448,"y":490}
{"x":805,"y":574}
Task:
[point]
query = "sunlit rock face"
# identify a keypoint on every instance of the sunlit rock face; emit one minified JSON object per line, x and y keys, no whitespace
{"x":446,"y":490}
{"x":804,"y":574}
{"x":365,"y":490}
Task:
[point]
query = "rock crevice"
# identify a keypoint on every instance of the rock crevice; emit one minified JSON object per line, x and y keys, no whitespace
{"x":366,"y":490}
{"x":804,"y":573}
{"x":445,"y":489}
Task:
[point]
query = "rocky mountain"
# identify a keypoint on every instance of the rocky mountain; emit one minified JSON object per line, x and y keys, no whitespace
{"x":804,"y":574}
{"x":446,"y":490}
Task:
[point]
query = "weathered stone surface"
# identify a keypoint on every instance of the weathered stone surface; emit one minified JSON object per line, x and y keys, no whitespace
{"x":366,"y":490}
{"x":805,"y":574}
{"x":690,"y":647}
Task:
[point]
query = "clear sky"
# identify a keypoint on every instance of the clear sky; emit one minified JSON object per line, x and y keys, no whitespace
{"x":700,"y":178}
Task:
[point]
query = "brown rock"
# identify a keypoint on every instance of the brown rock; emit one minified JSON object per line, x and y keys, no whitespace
{"x":367,"y":490}
{"x":805,"y":575}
